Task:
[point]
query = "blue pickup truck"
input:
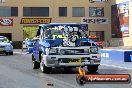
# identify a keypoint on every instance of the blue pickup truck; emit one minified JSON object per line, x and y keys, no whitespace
{"x":64,"y":45}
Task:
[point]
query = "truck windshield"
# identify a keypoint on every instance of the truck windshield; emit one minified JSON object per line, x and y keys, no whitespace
{"x":52,"y":31}
{"x":83,"y":34}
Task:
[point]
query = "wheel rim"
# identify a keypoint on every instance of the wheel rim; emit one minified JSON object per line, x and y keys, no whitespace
{"x":42,"y":66}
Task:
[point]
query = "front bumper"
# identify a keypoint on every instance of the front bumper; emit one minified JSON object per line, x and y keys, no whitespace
{"x":5,"y":51}
{"x":71,"y":60}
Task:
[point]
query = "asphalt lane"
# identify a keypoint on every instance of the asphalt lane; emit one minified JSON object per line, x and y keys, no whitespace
{"x":16,"y":72}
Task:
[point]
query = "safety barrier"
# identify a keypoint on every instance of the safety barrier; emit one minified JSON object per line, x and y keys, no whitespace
{"x":131,"y":58}
{"x":116,"y":55}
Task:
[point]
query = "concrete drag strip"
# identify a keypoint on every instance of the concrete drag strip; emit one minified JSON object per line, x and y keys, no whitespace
{"x":56,"y":81}
{"x":115,"y":66}
{"x":23,"y":53}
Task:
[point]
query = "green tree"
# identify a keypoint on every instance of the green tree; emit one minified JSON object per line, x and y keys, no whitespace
{"x":29,"y":32}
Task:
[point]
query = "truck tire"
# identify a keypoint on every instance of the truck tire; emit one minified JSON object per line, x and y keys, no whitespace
{"x":44,"y":68}
{"x":40,"y":55}
{"x":36,"y":65}
{"x":6,"y":53}
{"x":11,"y":53}
{"x":81,"y":80}
{"x":92,"y":68}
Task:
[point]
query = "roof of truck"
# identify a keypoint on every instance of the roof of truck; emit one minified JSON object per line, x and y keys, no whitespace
{"x":59,"y":24}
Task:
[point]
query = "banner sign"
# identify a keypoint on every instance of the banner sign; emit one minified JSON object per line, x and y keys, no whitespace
{"x":6,"y":22}
{"x":104,"y":78}
{"x":120,"y":20}
{"x":88,"y":20}
{"x":83,"y":78}
{"x":35,"y":20}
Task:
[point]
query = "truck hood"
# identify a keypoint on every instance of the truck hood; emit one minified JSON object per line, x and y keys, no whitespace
{"x":51,"y":42}
{"x":84,"y":42}
{"x":4,"y":43}
{"x":57,"y":42}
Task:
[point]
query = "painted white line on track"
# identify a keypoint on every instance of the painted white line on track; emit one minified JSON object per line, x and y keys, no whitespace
{"x":20,"y":53}
{"x":128,"y":68}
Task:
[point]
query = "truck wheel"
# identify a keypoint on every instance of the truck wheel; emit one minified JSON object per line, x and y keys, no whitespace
{"x":44,"y":68}
{"x":92,"y":68}
{"x":35,"y":64}
{"x":81,"y":80}
{"x":7,"y":53}
{"x":11,"y":53}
